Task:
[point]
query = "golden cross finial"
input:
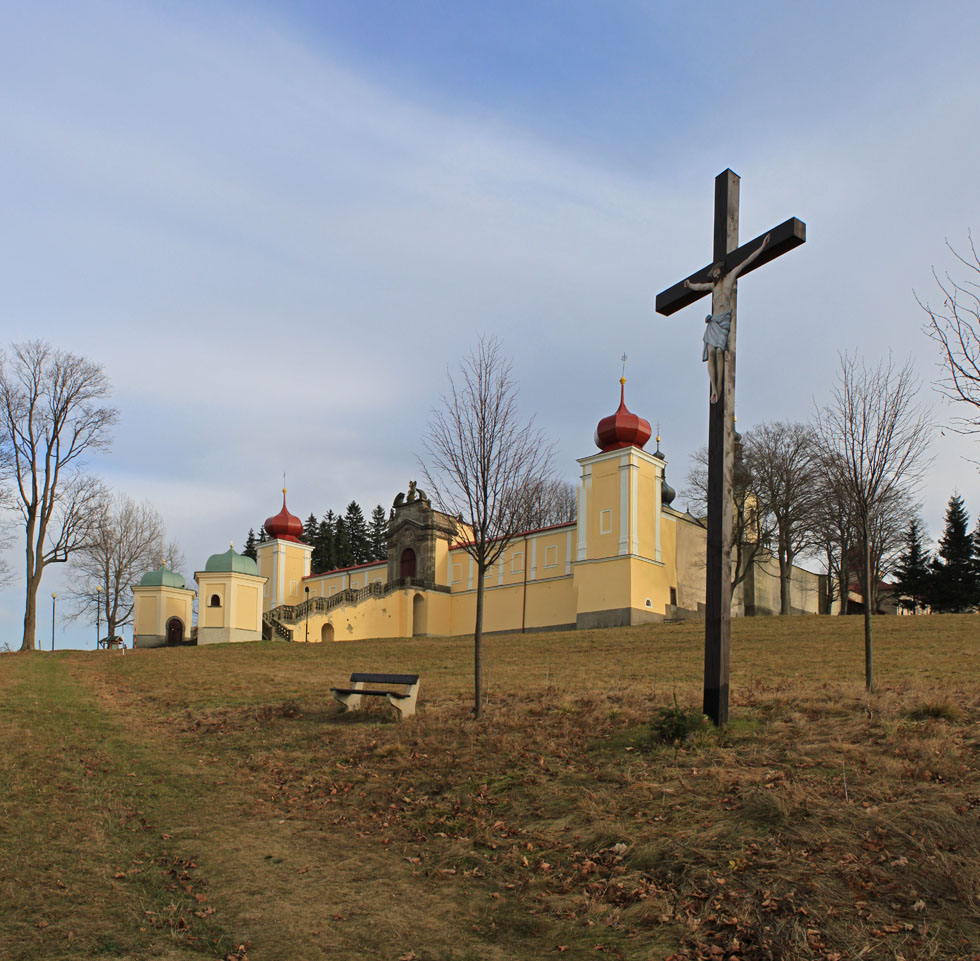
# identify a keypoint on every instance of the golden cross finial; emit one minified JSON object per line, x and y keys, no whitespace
{"x":624,"y":358}
{"x":658,"y":433}
{"x":284,"y":482}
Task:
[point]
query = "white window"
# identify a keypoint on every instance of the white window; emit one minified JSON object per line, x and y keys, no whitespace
{"x":517,"y":562}
{"x":605,"y":521}
{"x":551,"y":556}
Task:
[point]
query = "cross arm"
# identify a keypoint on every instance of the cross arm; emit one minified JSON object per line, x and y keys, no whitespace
{"x":785,"y":237}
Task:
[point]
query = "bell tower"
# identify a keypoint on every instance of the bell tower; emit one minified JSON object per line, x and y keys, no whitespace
{"x":620,"y":576}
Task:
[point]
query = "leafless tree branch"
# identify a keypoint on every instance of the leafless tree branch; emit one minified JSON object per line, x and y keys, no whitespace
{"x":51,"y":416}
{"x":485,"y":464}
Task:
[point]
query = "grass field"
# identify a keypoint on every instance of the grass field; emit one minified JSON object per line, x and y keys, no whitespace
{"x":216,"y":802}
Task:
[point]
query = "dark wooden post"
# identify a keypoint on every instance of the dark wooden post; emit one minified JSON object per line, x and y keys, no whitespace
{"x":721,"y":464}
{"x":727,"y":255}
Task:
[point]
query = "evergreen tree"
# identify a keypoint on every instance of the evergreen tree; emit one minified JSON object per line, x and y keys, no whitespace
{"x":326,"y":547}
{"x":345,"y":556}
{"x":310,"y":530}
{"x":250,"y":543}
{"x":953,"y":585}
{"x":913,"y":571}
{"x":263,"y":534}
{"x":357,"y":533}
{"x":378,"y":534}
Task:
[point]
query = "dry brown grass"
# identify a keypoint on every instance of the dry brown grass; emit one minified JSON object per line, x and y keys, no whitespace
{"x":215,"y":800}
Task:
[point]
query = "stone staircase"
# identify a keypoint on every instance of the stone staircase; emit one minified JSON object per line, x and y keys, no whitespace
{"x":274,"y":621}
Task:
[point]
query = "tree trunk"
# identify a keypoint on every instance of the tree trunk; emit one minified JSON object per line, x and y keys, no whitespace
{"x":845,"y":581}
{"x":785,"y":578}
{"x":478,"y":643}
{"x":868,"y":677}
{"x":30,"y":617}
{"x":33,"y":583}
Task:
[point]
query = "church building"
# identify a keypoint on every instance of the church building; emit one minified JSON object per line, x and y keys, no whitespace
{"x":629,"y":558}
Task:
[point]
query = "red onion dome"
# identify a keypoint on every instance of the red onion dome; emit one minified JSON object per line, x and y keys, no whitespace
{"x":284,"y":526}
{"x":622,"y":429}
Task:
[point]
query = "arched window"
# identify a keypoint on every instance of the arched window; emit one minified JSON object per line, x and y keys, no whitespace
{"x":215,"y":601}
{"x":407,"y":563}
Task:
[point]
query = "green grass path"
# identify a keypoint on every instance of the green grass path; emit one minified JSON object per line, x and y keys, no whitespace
{"x":84,"y":868}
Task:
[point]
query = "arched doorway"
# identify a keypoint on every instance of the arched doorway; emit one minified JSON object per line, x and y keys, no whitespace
{"x":326,"y":633}
{"x":175,"y":631}
{"x":407,"y":563}
{"x":420,"y":626}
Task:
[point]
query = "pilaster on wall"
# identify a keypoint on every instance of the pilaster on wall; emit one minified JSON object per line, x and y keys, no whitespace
{"x":658,"y":510}
{"x":584,"y":492}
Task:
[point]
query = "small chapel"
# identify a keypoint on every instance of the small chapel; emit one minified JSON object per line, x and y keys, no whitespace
{"x":629,"y":558}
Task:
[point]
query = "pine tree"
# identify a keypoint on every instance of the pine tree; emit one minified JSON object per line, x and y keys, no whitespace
{"x":913,"y":571}
{"x":378,"y":534}
{"x":345,"y":556}
{"x":263,"y":534}
{"x":326,"y":546}
{"x":953,"y":584}
{"x":357,"y":533}
{"x":250,"y":543}
{"x":310,"y":530}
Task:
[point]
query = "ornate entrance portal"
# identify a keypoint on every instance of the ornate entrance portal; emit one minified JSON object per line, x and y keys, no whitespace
{"x":407,"y":568}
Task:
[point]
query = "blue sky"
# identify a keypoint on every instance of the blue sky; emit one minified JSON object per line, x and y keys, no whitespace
{"x":277,"y":224}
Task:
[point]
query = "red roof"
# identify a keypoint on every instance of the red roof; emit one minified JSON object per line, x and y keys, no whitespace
{"x":622,"y":429}
{"x":284,"y":526}
{"x":344,"y":570}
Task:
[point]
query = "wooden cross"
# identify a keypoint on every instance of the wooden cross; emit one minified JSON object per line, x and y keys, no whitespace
{"x":729,"y":261}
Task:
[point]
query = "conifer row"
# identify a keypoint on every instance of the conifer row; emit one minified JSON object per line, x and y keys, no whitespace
{"x":949,"y":581}
{"x":338,"y":540}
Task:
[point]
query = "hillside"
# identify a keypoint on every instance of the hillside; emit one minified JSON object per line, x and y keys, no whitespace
{"x":215,"y":802}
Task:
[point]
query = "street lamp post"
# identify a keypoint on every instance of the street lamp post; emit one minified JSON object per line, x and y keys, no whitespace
{"x":307,"y":589}
{"x":54,"y":597}
{"x":98,"y":615}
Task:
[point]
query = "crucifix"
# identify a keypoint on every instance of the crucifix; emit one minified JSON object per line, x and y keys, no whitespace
{"x":729,"y":262}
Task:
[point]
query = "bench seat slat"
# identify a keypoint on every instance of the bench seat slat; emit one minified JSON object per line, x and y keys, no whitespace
{"x":385,"y":678}
{"x":351,"y":690}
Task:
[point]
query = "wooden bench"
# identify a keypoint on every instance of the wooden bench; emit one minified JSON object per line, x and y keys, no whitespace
{"x":404,"y":703}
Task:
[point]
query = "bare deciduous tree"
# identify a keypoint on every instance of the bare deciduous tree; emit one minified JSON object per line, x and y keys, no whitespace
{"x":781,"y":459}
{"x":833,"y":528}
{"x":51,"y":416}
{"x":956,"y":328}
{"x":126,"y":540}
{"x":552,"y":502}
{"x":484,"y":463}
{"x":874,"y":437}
{"x":751,"y":527}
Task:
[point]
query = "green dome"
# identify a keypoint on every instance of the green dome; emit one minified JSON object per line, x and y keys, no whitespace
{"x":231,"y":561}
{"x":161,"y":577}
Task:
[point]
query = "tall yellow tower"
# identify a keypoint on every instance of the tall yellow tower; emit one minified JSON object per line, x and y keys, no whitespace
{"x":620,"y":576}
{"x":283,"y":560}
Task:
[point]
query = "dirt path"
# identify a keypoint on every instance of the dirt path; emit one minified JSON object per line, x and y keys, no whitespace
{"x":162,"y":849}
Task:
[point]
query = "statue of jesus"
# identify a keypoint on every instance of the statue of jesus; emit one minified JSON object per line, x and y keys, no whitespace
{"x":719,"y":321}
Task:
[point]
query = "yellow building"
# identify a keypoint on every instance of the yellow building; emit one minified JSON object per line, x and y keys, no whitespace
{"x":230,"y":591}
{"x":629,"y":558}
{"x":163,"y":609}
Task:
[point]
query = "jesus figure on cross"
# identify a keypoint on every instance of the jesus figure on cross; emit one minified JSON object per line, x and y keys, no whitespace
{"x":719,"y":321}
